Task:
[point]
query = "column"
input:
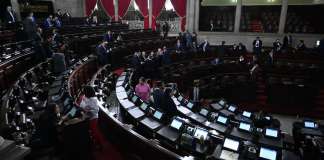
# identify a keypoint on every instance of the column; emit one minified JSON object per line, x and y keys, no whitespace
{"x":15,"y":7}
{"x":283,"y":16}
{"x":116,"y":10}
{"x":238,"y":16}
{"x":191,"y":15}
{"x":197,"y":8}
{"x":187,"y":14}
{"x":150,"y":3}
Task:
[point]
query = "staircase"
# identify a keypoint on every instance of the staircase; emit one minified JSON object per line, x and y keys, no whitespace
{"x":10,"y":151}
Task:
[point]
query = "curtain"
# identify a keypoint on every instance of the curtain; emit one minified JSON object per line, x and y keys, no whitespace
{"x":157,"y":6}
{"x":109,"y":7}
{"x":142,"y":5}
{"x":180,"y":7}
{"x":89,"y":5}
{"x":123,"y":7}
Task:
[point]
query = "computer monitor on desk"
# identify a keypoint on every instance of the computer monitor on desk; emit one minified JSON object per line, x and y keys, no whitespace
{"x":247,"y":114}
{"x":246,"y":127}
{"x":158,"y":115}
{"x":310,"y":124}
{"x":230,"y":149}
{"x":190,"y":105}
{"x":144,"y":106}
{"x":222,"y":120}
{"x":231,"y":108}
{"x":204,"y":112}
{"x":176,"y":124}
{"x":271,"y":133}
{"x":267,"y":154}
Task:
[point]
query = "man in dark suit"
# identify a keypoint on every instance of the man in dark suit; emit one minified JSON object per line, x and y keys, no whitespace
{"x":30,"y":25}
{"x":166,"y":57}
{"x":257,"y":46}
{"x":158,"y":95}
{"x":103,"y":53}
{"x":168,"y":105}
{"x":204,"y":46}
{"x":108,"y":37}
{"x":10,"y":16}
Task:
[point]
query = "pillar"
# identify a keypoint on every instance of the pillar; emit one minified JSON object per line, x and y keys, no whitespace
{"x":150,"y":3}
{"x":197,"y":11}
{"x":116,"y":9}
{"x":238,"y":16}
{"x":283,"y":16}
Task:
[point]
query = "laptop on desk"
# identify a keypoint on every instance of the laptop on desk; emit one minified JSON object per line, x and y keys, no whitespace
{"x":230,"y":149}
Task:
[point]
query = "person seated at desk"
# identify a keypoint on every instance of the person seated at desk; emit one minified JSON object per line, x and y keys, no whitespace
{"x":90,"y":105}
{"x":168,"y":105}
{"x":142,"y":89}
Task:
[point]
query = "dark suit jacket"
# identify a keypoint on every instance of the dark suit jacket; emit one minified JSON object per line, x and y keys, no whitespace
{"x":108,"y":38}
{"x":168,"y":106}
{"x":260,"y":44}
{"x":102,"y":55}
{"x":202,"y":46}
{"x":30,"y":27}
{"x":158,"y":97}
{"x":9,"y":18}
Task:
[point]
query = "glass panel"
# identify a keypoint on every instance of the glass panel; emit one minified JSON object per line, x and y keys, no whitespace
{"x":305,"y":2}
{"x":217,"y":18}
{"x":261,"y":2}
{"x":260,"y":19}
{"x":218,"y":2}
{"x":305,"y":19}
